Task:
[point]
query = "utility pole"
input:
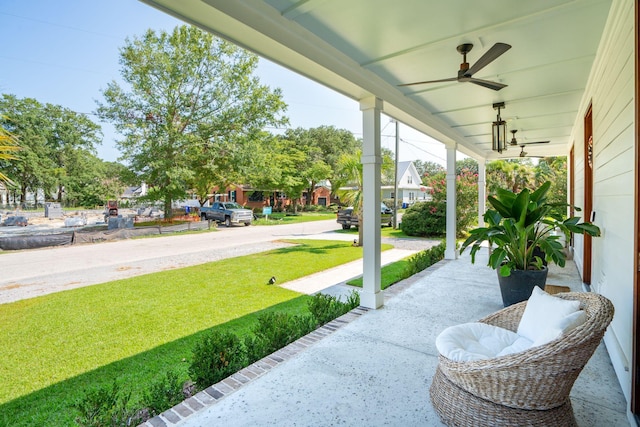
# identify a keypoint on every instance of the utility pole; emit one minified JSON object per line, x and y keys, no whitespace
{"x":395,"y":180}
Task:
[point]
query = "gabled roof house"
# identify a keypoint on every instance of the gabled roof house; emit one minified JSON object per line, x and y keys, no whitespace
{"x":410,"y":188}
{"x":562,"y":71}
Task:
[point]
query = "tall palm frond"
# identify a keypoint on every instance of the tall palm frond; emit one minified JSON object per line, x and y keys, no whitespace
{"x":8,"y":146}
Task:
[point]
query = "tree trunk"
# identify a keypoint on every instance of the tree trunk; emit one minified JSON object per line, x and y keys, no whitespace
{"x":360,"y":230}
{"x":167,"y":208}
{"x":309,"y":200}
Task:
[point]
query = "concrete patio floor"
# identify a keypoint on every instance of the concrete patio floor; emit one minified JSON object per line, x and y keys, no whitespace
{"x":375,"y":367}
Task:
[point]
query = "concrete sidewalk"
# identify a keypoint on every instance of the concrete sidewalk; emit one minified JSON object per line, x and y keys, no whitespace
{"x":332,"y":281}
{"x":374,"y":367}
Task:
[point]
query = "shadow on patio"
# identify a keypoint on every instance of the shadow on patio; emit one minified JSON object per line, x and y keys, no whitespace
{"x":376,"y":368}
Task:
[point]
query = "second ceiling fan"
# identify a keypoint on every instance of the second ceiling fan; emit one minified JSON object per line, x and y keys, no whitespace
{"x":522,"y":145}
{"x":466,"y":72}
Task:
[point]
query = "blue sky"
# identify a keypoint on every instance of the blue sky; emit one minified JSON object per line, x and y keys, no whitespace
{"x":65,"y":52}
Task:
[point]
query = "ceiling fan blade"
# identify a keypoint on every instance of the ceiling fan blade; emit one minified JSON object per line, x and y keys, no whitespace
{"x":536,"y":142}
{"x":486,"y":83}
{"x":452,"y":79}
{"x":493,"y":53}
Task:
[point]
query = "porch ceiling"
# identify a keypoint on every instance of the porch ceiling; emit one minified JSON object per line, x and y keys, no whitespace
{"x":364,"y":48}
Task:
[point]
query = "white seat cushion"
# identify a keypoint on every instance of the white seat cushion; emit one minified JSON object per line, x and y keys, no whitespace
{"x":479,"y":341}
{"x":546,"y":317}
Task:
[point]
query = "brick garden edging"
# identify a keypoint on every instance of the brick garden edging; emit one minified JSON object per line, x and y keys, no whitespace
{"x":211,"y":395}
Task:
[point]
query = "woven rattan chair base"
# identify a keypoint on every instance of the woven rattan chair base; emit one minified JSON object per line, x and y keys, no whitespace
{"x":457,"y":407}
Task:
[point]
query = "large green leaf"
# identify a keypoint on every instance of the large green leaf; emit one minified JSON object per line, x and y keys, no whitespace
{"x":520,"y":206}
{"x":492,"y":217}
{"x":538,"y":196}
{"x":505,"y":196}
{"x":504,"y":210}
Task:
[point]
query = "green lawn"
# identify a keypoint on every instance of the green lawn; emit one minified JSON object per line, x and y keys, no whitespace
{"x":55,"y":346}
{"x":384,"y":232}
{"x":390,"y":274}
{"x":281,"y":218}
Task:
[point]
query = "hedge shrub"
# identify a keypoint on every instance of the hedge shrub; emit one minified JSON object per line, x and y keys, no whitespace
{"x":425,"y":219}
{"x":275,"y":330}
{"x":216,"y":356}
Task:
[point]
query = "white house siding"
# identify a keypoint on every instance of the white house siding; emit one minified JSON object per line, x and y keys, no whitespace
{"x":611,"y":93}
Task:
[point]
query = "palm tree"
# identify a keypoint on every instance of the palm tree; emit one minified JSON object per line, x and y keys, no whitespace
{"x":8,"y":145}
{"x":350,"y":171}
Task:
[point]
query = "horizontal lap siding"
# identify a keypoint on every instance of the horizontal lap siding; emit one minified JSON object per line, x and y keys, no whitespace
{"x":611,"y":93}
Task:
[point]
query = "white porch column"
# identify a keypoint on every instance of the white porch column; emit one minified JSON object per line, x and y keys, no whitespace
{"x":482,"y":191}
{"x":451,"y":252}
{"x":371,"y":297}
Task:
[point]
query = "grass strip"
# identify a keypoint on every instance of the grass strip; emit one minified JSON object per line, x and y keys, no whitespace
{"x":384,"y":232}
{"x":389,"y":274}
{"x":282,"y":218}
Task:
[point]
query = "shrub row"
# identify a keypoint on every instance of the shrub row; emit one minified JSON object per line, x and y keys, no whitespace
{"x":216,"y":356}
{"x":424,"y":259}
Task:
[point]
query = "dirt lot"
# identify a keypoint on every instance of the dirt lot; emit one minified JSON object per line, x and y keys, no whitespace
{"x":38,"y":223}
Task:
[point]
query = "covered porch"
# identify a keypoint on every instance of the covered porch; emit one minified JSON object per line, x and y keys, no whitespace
{"x":374,"y":367}
{"x":567,"y":83}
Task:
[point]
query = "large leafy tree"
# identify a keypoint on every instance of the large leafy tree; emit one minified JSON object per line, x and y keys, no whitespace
{"x":426,"y":168}
{"x":72,"y":137}
{"x":51,"y":138}
{"x":322,"y":148}
{"x":91,"y":181}
{"x":190,"y":107}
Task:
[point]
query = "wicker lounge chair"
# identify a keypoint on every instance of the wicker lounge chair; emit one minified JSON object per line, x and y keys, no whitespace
{"x":530,"y":388}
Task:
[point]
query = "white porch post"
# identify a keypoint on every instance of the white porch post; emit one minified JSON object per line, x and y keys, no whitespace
{"x":482,"y":191}
{"x":371,"y":297}
{"x":451,"y":252}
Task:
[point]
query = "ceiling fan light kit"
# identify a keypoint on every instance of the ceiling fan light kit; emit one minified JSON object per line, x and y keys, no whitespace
{"x":499,"y":131}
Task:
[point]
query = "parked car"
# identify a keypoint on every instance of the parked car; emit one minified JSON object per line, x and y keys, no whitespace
{"x":227,"y":212}
{"x":347,"y":217}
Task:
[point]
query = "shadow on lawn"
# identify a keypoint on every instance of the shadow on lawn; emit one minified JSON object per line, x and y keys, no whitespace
{"x":52,"y":406}
{"x":301,"y":247}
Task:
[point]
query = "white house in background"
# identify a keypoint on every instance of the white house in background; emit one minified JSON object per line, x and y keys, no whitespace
{"x":132,"y":193}
{"x":410,"y":188}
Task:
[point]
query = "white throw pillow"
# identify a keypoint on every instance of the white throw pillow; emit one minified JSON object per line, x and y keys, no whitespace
{"x":567,"y":324}
{"x":544,"y":316}
{"x":478,"y":341}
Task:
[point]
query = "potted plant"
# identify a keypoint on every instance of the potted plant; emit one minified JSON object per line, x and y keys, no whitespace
{"x":522,"y":229}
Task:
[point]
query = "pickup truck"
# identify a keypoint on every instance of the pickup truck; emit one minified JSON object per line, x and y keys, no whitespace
{"x":227,"y":212}
{"x":347,"y":218}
